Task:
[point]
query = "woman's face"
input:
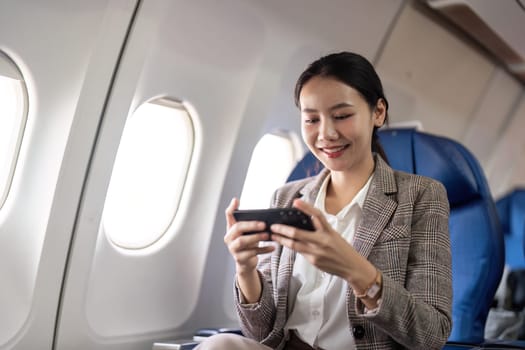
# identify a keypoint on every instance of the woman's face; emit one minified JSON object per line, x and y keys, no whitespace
{"x":337,"y":123}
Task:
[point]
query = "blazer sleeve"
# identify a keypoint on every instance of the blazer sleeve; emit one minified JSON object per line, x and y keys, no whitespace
{"x":418,"y":314}
{"x":256,"y":320}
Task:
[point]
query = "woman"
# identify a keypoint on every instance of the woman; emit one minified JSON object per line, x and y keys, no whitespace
{"x":376,"y":273}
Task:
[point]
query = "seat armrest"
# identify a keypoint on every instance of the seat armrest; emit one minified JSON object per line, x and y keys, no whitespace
{"x":176,"y":344}
{"x":204,"y":333}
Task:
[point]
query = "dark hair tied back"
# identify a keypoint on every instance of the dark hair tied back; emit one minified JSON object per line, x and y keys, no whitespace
{"x":353,"y":70}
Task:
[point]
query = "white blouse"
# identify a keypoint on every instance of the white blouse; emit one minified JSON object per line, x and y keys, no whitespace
{"x":318,"y":300}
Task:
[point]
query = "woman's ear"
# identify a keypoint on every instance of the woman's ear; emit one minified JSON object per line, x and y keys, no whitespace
{"x":379,"y":113}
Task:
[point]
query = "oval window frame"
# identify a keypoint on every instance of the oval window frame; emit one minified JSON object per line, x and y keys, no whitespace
{"x":10,"y":70}
{"x":250,"y":185}
{"x":116,"y":239}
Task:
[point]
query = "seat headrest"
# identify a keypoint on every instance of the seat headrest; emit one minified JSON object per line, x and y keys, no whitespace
{"x":437,"y":157}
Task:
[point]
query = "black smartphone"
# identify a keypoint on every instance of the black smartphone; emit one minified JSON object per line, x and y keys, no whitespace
{"x":286,"y":216}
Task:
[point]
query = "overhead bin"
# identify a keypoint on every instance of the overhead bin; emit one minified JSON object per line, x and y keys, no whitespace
{"x":497,"y":25}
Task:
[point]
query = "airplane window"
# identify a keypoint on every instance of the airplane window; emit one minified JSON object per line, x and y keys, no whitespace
{"x":13,"y":116}
{"x":273,"y":159}
{"x":149,"y":174}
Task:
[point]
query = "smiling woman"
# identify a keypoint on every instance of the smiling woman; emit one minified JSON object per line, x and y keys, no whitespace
{"x":352,"y":283}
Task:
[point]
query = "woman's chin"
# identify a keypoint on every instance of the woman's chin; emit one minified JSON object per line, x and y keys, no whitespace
{"x":334,"y":165}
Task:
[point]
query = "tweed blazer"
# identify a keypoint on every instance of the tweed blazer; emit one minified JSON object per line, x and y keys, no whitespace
{"x":404,"y":233}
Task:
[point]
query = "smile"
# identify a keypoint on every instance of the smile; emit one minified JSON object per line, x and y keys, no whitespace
{"x":334,"y":152}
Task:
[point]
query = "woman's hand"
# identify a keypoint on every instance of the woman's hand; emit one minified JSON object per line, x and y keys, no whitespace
{"x":325,"y":248}
{"x":244,"y":249}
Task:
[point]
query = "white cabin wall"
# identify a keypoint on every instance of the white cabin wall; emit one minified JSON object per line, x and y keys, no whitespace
{"x":505,"y":167}
{"x":65,"y":55}
{"x":487,"y":123}
{"x":431,"y":75}
{"x":117,"y":298}
{"x":434,"y":73}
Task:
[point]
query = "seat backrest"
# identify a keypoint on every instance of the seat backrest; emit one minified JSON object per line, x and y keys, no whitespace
{"x":475,"y":231}
{"x":511,"y":211}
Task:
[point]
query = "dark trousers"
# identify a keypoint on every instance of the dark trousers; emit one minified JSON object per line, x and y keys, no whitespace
{"x":295,"y":343}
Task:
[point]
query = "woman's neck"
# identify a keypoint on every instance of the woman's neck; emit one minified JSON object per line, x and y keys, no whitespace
{"x":344,"y":185}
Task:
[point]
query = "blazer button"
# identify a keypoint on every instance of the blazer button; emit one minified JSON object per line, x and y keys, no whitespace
{"x":359,"y":332}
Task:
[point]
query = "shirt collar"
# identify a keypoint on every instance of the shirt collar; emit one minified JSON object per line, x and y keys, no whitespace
{"x":358,"y":199}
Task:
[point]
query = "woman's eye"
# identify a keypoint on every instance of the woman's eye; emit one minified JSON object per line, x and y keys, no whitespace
{"x":311,"y":120}
{"x":341,"y":117}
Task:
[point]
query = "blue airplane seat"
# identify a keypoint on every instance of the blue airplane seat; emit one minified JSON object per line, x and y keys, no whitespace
{"x":475,"y":232}
{"x":511,"y":210}
{"x":308,"y":166}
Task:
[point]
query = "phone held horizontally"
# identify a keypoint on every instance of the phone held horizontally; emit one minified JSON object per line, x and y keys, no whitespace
{"x":286,"y":216}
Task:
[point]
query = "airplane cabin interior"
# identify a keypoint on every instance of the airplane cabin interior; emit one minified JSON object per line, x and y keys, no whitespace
{"x":126,"y":127}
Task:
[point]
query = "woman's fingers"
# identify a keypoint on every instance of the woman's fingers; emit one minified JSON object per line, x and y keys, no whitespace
{"x":296,"y":234}
{"x":248,"y":254}
{"x":315,"y":214}
{"x":239,"y":228}
{"x":230,"y":220}
{"x":289,"y":240}
{"x":243,"y":247}
{"x":246,"y":241}
{"x":236,"y":229}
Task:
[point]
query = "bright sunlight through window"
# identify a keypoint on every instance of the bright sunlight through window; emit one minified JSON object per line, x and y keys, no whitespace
{"x":273,"y":159}
{"x":149,"y":174}
{"x":13,"y":114}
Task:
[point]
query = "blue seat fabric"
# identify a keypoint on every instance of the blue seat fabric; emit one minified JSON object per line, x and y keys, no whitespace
{"x":308,"y":166}
{"x":511,"y":210}
{"x":475,"y":231}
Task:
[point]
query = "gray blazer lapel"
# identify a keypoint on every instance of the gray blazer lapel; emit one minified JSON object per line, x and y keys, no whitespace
{"x":377,"y":208}
{"x":309,"y":192}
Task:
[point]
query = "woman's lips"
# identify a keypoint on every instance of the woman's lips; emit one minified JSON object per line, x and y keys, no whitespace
{"x":334,"y":152}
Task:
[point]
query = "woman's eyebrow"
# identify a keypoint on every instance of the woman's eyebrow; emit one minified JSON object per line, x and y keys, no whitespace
{"x":309,"y":110}
{"x":341,"y":105}
{"x":334,"y":107}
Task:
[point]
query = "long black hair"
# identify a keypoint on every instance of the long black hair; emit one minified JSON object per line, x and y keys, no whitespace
{"x":355,"y":71}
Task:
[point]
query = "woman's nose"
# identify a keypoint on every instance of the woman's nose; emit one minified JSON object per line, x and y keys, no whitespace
{"x":327,"y":130}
